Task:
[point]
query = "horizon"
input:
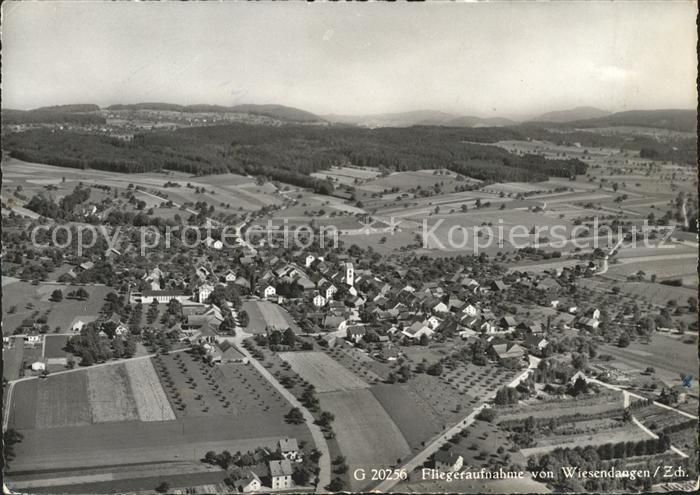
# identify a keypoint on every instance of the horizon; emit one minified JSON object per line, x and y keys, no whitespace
{"x":521,"y":60}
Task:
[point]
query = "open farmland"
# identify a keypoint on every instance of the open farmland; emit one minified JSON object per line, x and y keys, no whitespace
{"x":109,"y":394}
{"x":151,"y":401}
{"x":366,"y":434}
{"x":64,"y":430}
{"x":322,"y":372}
{"x":668,"y":355}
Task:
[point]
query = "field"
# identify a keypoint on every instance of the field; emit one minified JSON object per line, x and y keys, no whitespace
{"x":366,"y":434}
{"x":27,"y":299}
{"x":240,"y":193}
{"x":322,"y":372}
{"x":114,"y":392}
{"x":264,"y":315}
{"x":68,"y":418}
{"x":148,"y":394}
{"x":53,"y":346}
{"x":197,"y":389}
{"x":669,"y":356}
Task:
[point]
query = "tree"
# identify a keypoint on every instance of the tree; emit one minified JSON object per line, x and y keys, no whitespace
{"x":295,"y":416}
{"x":243,"y":318}
{"x":163,"y":487}
{"x":336,"y":485}
{"x":82,"y":294}
{"x":624,"y":340}
{"x":288,"y":338}
{"x":57,"y":295}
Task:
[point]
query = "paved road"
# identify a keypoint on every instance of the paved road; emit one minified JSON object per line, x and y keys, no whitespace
{"x":324,"y":463}
{"x":422,"y":456}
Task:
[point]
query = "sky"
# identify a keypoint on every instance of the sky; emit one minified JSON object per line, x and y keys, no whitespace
{"x":487,"y":59}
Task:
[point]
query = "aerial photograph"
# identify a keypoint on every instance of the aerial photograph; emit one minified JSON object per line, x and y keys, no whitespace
{"x":422,"y":248}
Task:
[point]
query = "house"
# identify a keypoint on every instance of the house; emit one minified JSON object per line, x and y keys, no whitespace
{"x":319,"y":301}
{"x":577,"y":375}
{"x":203,"y":292}
{"x":417,"y":330}
{"x":330,"y":340}
{"x":38,"y":366}
{"x":469,"y":284}
{"x":225,"y":353}
{"x":230,"y":276}
{"x":487,"y":327}
{"x":507,"y":323}
{"x":334,"y":322}
{"x":536,"y":342}
{"x":242,"y":282}
{"x":508,"y":352}
{"x":309,"y":259}
{"x":161,"y":296}
{"x":281,"y":474}
{"x":470,"y":310}
{"x":356,"y":332}
{"x":32,"y":339}
{"x":289,"y":449}
{"x":249,"y":483}
{"x":498,"y":286}
{"x":327,"y":289}
{"x":439,"y":307}
{"x":268,"y":291}
{"x":588,"y":323}
{"x":448,"y":461}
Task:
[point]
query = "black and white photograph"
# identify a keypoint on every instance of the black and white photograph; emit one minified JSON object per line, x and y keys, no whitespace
{"x":349,"y":247}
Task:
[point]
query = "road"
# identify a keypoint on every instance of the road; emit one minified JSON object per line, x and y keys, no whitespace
{"x":637,"y":396}
{"x":421,"y":457}
{"x":324,"y":463}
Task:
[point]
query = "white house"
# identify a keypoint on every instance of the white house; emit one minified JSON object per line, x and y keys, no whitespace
{"x":470,"y":310}
{"x":248,"y":484}
{"x":319,"y":301}
{"x":38,"y":366}
{"x":230,"y":276}
{"x":32,"y":339}
{"x":268,"y":291}
{"x":281,"y":474}
{"x":417,"y":330}
{"x":309,"y":259}
{"x":204,"y":291}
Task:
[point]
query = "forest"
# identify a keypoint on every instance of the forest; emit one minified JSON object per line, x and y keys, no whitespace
{"x":290,"y":153}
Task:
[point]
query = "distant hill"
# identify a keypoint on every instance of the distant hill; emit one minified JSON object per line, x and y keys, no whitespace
{"x":59,"y":114}
{"x":471,"y":121}
{"x":572,"y":114}
{"x":677,"y":120}
{"x":418,"y":117}
{"x":279,"y":112}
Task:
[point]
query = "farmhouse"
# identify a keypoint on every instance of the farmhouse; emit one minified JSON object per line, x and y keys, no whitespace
{"x":417,"y":330}
{"x":281,"y":474}
{"x":225,"y":353}
{"x":508,"y":352}
{"x":448,"y":461}
{"x":289,"y":448}
{"x":249,"y":483}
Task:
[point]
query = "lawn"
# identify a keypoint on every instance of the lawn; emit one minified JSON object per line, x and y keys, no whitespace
{"x":322,"y":372}
{"x":12,"y":359}
{"x":53,"y":346}
{"x":28,"y":300}
{"x":264,"y":315}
